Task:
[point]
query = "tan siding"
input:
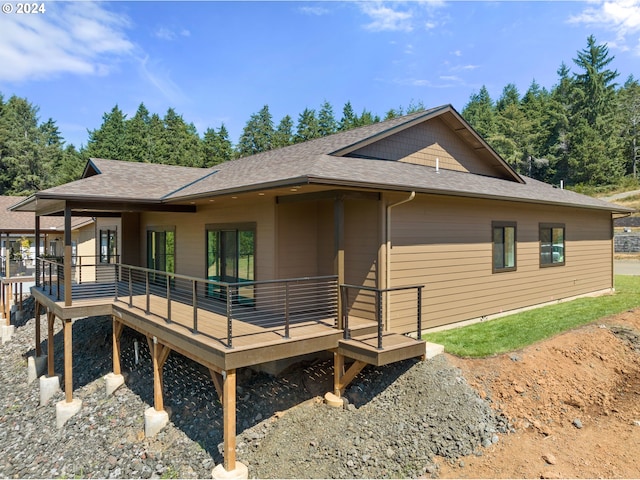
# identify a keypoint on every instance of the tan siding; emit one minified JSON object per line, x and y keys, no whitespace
{"x":425,"y":143}
{"x":297,"y":239}
{"x":190,"y":233}
{"x":361,"y":253}
{"x":445,"y":243}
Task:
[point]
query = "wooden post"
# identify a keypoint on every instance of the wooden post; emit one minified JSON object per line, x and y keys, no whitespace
{"x":50,"y":353}
{"x":338,"y":371}
{"x":7,"y":304}
{"x":37,"y":256}
{"x":117,"y":332}
{"x":68,"y":360}
{"x":338,"y":227}
{"x":159,"y":354}
{"x":229,"y":420}
{"x":38,"y":336}
{"x":67,"y":256}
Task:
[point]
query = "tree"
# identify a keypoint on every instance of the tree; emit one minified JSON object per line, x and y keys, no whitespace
{"x":136,"y":136}
{"x":480,"y":113}
{"x":257,"y":135}
{"x":349,"y":118}
{"x":283,"y":135}
{"x":327,"y":123}
{"x":629,"y":101}
{"x":180,"y":142}
{"x":108,"y":141}
{"x":308,"y":127}
{"x":216,"y":146}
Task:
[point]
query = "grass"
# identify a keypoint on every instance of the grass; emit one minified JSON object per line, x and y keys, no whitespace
{"x":519,"y":330}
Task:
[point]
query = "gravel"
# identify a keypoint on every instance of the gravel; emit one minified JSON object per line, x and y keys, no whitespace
{"x":399,"y":417}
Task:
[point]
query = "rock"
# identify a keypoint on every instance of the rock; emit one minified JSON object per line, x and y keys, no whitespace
{"x":549,"y":458}
{"x":519,"y":389}
{"x":577,"y":423}
{"x":551,"y":474}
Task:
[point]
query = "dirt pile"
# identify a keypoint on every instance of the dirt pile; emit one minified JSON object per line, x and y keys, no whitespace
{"x":574,"y":400}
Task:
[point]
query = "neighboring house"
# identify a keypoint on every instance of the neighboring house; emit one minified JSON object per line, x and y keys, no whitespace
{"x":420,"y":201}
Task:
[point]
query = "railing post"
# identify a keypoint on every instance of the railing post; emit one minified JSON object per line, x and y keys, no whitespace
{"x":58,"y":275}
{"x":195,"y":305}
{"x":146,"y":291}
{"x":229,"y":319}
{"x":117,"y":280}
{"x":130,"y":289}
{"x":379,"y":316}
{"x":344,"y":290}
{"x":80,"y":270}
{"x":168,"y":300}
{"x":50,"y":279}
{"x":419,"y":313}
{"x":286,"y":309}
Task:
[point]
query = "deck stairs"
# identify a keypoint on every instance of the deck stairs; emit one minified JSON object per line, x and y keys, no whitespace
{"x":395,"y":348}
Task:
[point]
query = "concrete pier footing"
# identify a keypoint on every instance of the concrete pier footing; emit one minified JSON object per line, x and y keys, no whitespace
{"x":433,"y":349}
{"x":36,"y":366}
{"x":7,"y":332}
{"x":241,"y":472}
{"x":49,"y":386}
{"x":112,"y":382}
{"x":334,"y":400}
{"x":65,"y":410}
{"x":154,"y":421}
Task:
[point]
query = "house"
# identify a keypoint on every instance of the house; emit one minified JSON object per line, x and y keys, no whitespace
{"x":353,"y":243}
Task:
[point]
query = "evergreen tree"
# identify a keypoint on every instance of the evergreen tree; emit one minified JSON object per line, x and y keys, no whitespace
{"x":283,"y":135}
{"x":367,"y":118}
{"x":327,"y":123}
{"x":180,"y":142}
{"x":257,"y":135}
{"x":349,"y":118}
{"x":108,"y":141}
{"x":216,"y":146}
{"x":629,"y":102}
{"x":480,"y":113}
{"x":308,"y":127}
{"x":136,"y":136}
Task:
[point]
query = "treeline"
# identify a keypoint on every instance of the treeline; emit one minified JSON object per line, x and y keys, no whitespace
{"x":584,"y":130}
{"x":32,"y":154}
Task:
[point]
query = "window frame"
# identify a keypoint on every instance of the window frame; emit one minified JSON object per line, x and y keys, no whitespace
{"x":504,"y":225}
{"x":550,"y":227}
{"x":111,"y":248}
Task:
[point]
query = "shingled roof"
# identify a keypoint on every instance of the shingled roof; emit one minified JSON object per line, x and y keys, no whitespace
{"x":322,"y":161}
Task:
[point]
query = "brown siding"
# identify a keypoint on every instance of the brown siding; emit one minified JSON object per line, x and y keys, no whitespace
{"x":361,"y":253}
{"x":445,"y":243}
{"x":425,"y":143}
{"x":190,"y":233}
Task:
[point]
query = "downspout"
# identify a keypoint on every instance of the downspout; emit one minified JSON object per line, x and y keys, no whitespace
{"x":387,"y":267}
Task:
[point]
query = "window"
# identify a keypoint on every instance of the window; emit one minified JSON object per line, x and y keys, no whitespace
{"x":504,"y":246}
{"x":552,"y":249}
{"x":231,"y":258}
{"x":108,"y":246}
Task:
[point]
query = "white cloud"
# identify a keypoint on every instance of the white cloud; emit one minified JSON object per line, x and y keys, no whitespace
{"x":76,"y":37}
{"x":164,"y":33}
{"x":622,"y":17}
{"x":384,"y":18}
{"x":316,"y":10}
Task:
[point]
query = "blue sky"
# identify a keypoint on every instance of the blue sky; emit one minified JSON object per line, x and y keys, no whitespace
{"x":219,"y":62}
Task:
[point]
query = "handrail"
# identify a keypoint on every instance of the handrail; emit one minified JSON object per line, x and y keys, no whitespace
{"x":344,"y":291}
{"x":267,"y":303}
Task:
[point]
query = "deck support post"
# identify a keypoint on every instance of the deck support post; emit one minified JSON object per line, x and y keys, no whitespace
{"x":68,"y":407}
{"x":115,"y":379}
{"x":67,"y":256}
{"x":37,"y":365}
{"x":156,"y":417}
{"x":341,"y":379}
{"x":229,"y":469}
{"x":338,"y":228}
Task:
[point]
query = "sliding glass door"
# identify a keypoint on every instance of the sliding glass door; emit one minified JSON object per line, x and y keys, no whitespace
{"x":231,"y":259}
{"x":161,"y":253}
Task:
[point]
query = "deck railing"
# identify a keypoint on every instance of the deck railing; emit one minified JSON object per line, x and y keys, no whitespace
{"x":97,"y":278}
{"x":378,"y":299}
{"x":269,"y":304}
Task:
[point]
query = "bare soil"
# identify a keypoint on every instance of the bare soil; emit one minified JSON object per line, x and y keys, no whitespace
{"x":574,"y":401}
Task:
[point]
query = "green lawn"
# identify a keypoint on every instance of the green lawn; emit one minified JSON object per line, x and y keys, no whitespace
{"x":519,"y":330}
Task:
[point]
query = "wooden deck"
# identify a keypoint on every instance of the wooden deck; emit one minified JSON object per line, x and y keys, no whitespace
{"x":252,"y":342}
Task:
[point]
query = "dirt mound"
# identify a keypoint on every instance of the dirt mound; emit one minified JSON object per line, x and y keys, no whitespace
{"x":575,"y":403}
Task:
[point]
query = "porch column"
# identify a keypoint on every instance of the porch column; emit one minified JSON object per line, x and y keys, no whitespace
{"x":68,"y":407}
{"x":115,"y":379}
{"x":338,"y":228}
{"x":155,"y":418}
{"x":37,"y":269}
{"x":67,"y":256}
{"x":229,"y":468}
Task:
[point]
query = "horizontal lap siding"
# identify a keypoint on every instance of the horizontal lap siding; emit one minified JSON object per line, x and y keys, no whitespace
{"x":445,"y":243}
{"x":190,"y":230}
